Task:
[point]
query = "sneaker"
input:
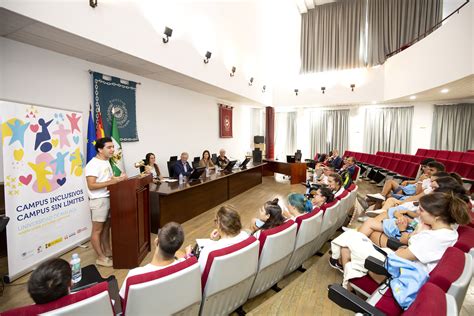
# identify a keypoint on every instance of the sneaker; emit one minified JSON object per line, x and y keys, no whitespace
{"x":344,"y":228}
{"x":374,"y":213}
{"x":362,"y":202}
{"x":334,"y":263}
{"x":377,"y":196}
{"x":104,"y":262}
{"x":363,"y":219}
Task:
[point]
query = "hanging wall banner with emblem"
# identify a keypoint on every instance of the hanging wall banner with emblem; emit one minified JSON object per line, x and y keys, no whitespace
{"x":118,"y":94}
{"x":45,"y":188}
{"x":225,"y":121}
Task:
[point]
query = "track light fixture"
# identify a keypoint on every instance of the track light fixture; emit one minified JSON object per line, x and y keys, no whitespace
{"x":264,"y":88}
{"x":296,"y":92}
{"x":93,"y":3}
{"x":323,"y":89}
{"x":208,"y":56}
{"x":352,"y":87}
{"x":251,"y":81}
{"x":232,"y":72}
{"x":168,"y":32}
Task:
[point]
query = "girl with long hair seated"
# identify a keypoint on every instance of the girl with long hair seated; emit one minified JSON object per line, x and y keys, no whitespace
{"x":269,"y":216}
{"x":151,"y":167}
{"x":298,"y":205}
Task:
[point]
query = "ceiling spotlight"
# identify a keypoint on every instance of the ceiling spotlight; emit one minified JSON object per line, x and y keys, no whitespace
{"x":413,"y":97}
{"x":323,"y":89}
{"x":168,"y":32}
{"x":445,"y":91}
{"x":208,"y":56}
{"x":93,"y":3}
{"x":374,"y":102}
{"x":296,"y":92}
{"x":352,"y":87}
{"x":232,"y":73}
{"x":264,"y":88}
{"x":251,"y":81}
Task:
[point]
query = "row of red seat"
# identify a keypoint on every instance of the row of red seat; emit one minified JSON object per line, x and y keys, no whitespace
{"x":461,"y":156}
{"x":404,"y":168}
{"x":407,"y":165}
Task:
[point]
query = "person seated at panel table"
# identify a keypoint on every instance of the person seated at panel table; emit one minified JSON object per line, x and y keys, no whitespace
{"x":182,"y":166}
{"x":151,"y":167}
{"x":222,"y":160}
{"x":50,"y":281}
{"x":206,"y":160}
{"x":169,"y":239}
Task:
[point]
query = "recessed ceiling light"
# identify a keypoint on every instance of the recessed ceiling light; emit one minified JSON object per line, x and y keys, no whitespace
{"x":445,"y":91}
{"x":413,"y":97}
{"x":374,"y":102}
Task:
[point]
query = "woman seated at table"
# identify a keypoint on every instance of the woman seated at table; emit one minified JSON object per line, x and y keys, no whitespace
{"x":269,"y":216}
{"x":228,"y":232}
{"x":206,"y":160}
{"x":151,"y":167}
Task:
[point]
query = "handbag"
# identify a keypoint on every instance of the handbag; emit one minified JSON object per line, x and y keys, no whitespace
{"x":406,"y":279}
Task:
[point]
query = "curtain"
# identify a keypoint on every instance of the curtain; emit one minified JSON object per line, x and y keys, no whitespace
{"x":329,"y":130}
{"x":257,"y":125}
{"x":332,"y":36}
{"x":453,"y":127}
{"x":392,"y":24}
{"x":388,"y":129}
{"x":285,"y":134}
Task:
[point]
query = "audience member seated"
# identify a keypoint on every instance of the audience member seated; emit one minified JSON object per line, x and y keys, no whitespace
{"x":322,"y":196}
{"x":335,"y":184}
{"x":349,"y":166}
{"x":409,"y":191}
{"x":50,"y":281}
{"x":298,"y":205}
{"x":222,"y":160}
{"x":151,"y":167}
{"x":437,"y":212}
{"x":228,"y":232}
{"x":182,"y":166}
{"x":206,"y":160}
{"x":169,"y":239}
{"x":269,"y":216}
{"x":335,"y":160}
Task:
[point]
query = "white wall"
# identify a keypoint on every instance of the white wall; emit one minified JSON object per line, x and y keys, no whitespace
{"x":226,"y":28}
{"x":169,"y":119}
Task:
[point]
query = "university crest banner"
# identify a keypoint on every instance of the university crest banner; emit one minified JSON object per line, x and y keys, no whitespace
{"x":45,"y":190}
{"x":114,"y":96}
{"x":225,"y":121}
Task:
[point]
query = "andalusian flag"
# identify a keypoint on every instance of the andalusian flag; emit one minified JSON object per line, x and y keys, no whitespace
{"x":100,"y":126}
{"x":117,"y":159}
{"x":91,"y":132}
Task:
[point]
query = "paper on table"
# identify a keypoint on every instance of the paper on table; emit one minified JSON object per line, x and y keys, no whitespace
{"x":171,"y":180}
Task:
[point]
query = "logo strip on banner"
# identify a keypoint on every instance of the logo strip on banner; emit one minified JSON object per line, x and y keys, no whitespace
{"x":45,"y":193}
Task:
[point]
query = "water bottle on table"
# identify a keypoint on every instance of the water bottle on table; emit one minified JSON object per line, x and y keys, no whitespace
{"x":76,"y":268}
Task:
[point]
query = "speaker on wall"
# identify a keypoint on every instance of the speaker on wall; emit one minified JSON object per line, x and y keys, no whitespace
{"x":259,"y":139}
{"x":257,"y":155}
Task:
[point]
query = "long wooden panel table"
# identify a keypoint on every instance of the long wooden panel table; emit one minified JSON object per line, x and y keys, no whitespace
{"x":174,"y":202}
{"x":296,"y":170}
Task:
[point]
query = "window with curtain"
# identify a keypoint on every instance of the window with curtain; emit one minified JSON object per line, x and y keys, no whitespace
{"x":357,"y":33}
{"x":453,"y":127}
{"x":285,"y":134}
{"x":388,"y":129}
{"x":332,"y":36}
{"x":329,"y":130}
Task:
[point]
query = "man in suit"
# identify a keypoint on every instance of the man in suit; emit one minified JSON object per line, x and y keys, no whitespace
{"x":182,"y":166}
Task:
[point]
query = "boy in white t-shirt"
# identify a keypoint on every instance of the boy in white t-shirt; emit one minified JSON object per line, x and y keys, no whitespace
{"x":99,"y":175}
{"x":170,"y":238}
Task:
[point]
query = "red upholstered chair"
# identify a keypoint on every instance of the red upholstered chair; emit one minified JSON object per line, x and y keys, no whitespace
{"x":228,"y":277}
{"x":468,"y":157}
{"x":453,"y":274}
{"x":421,"y":152}
{"x":309,"y":228}
{"x":433,"y":301}
{"x":465,"y":240}
{"x":91,"y":301}
{"x":355,"y":176}
{"x":155,"y":292}
{"x":455,"y":155}
{"x":276,"y":248}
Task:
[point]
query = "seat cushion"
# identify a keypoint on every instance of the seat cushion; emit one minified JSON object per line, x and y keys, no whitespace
{"x":388,"y":305}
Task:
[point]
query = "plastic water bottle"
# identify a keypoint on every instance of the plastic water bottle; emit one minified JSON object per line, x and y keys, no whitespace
{"x":76,"y":268}
{"x":181,"y":178}
{"x":207,"y":173}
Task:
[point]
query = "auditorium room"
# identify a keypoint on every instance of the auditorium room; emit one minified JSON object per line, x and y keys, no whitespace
{"x":233,"y":157}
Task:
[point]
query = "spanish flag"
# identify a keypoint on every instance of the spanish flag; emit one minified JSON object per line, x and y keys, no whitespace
{"x":100,"y":126}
